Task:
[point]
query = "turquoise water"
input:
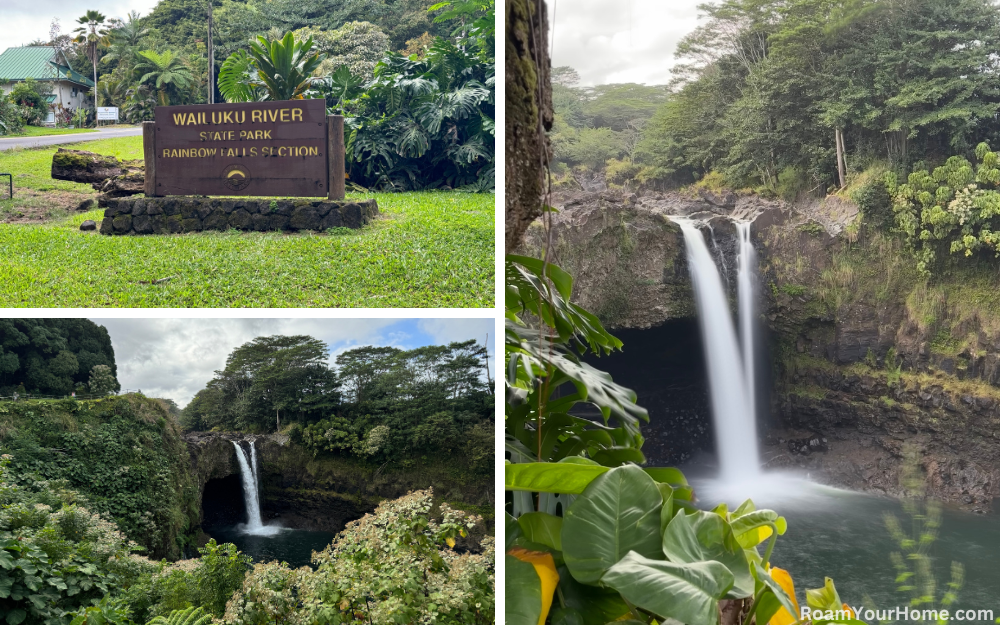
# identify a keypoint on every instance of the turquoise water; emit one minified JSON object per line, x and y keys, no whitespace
{"x":842,"y":534}
{"x":288,"y":545}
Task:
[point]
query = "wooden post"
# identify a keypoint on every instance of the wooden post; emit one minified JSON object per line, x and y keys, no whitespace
{"x":211,"y":58}
{"x":335,"y":156}
{"x":149,"y":157}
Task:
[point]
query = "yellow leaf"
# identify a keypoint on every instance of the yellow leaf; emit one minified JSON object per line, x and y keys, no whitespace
{"x":847,"y":609}
{"x":450,"y":541}
{"x":545,"y":567}
{"x":782,"y":617}
{"x":763,"y":533}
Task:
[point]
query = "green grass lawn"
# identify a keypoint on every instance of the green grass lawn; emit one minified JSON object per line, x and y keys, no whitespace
{"x":429,"y":249}
{"x":41,"y":131}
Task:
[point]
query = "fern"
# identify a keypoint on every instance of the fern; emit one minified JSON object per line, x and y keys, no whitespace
{"x":190,"y":616}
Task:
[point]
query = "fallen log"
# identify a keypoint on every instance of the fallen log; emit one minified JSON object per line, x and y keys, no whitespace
{"x":107,"y":174}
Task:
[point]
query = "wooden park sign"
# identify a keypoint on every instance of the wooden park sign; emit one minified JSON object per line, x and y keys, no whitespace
{"x":283,"y":148}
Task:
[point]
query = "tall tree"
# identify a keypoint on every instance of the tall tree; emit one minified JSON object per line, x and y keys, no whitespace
{"x":93,"y":36}
{"x":273,"y":375}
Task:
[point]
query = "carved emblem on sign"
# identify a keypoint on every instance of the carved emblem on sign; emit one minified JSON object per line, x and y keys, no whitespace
{"x":236,"y":177}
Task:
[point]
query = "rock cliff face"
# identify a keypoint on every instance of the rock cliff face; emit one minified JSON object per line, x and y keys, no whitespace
{"x":867,"y":358}
{"x":322,"y":494}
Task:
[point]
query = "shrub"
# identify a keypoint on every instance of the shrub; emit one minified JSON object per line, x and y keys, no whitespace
{"x":955,"y":208}
{"x":396,"y":565}
{"x":873,"y":199}
{"x":57,"y":555}
{"x":31,"y":97}
{"x":208,"y":582}
{"x":10,"y":118}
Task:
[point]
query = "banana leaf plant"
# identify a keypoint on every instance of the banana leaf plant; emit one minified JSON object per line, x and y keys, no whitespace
{"x":632,"y":548}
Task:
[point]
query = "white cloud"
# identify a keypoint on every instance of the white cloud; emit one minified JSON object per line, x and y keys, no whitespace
{"x":27,"y":20}
{"x":453,"y":330}
{"x":610,"y":41}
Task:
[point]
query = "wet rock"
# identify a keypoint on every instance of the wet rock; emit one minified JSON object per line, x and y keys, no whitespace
{"x":89,"y":224}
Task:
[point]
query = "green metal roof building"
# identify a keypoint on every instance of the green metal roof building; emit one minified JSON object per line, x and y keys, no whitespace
{"x":45,"y":64}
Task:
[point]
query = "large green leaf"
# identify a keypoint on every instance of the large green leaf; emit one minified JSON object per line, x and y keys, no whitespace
{"x":689,"y":593}
{"x":549,"y":477}
{"x":704,"y":536}
{"x":747,"y":527}
{"x":522,"y":593}
{"x":542,"y":528}
{"x":597,"y":605}
{"x":667,"y":475}
{"x":618,"y":512}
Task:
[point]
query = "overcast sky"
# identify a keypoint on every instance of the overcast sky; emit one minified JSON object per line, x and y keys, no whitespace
{"x":610,"y":41}
{"x":605,"y":40}
{"x":26,"y":20}
{"x":175,"y":358}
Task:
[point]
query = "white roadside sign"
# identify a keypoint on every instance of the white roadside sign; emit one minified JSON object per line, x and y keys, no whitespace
{"x":106,"y":113}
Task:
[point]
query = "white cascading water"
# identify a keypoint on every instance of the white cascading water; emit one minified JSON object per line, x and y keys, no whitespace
{"x":248,"y":472}
{"x":732,"y":411}
{"x":747,"y":299}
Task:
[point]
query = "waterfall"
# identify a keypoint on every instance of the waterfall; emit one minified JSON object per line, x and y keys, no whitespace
{"x":747,"y":299}
{"x":251,"y":497}
{"x":732,"y":412}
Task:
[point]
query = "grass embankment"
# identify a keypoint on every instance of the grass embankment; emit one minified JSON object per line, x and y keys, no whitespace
{"x":429,"y":249}
{"x":42,"y":131}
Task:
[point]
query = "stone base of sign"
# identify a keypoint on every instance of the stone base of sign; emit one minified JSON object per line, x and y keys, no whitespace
{"x":175,"y":215}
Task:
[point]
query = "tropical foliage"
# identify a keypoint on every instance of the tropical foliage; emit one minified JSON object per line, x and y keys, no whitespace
{"x":56,"y":553}
{"x":284,"y":68}
{"x":794,"y":97}
{"x":420,"y":123}
{"x":370,"y":573}
{"x":954,"y":209}
{"x":166,"y":71}
{"x":413,"y":122}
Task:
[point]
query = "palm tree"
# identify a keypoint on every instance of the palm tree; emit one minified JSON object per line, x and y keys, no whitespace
{"x":125,"y":39}
{"x":93,"y":36}
{"x":165,"y":69}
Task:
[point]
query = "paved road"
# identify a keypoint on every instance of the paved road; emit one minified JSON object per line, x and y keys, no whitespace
{"x":34,"y":142}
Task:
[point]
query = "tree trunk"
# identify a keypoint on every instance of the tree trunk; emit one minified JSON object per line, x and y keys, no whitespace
{"x":94,"y":59}
{"x":107,"y":174}
{"x":528,"y":108}
{"x":838,"y":137}
{"x":211,"y":58}
{"x":486,"y":364}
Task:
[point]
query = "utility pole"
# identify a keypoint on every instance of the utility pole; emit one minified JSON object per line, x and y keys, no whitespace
{"x":211,"y":59}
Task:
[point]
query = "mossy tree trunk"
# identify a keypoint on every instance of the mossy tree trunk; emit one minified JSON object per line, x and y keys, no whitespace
{"x":528,"y":111}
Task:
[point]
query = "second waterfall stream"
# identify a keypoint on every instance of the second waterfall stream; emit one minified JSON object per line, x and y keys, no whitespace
{"x":730,"y":372}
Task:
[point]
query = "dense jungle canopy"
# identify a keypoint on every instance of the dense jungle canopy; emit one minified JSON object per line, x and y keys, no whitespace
{"x":767,"y":94}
